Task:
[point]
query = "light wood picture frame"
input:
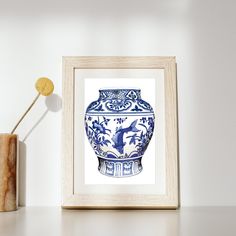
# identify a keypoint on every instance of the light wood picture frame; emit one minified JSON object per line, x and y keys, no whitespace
{"x":72,"y":172}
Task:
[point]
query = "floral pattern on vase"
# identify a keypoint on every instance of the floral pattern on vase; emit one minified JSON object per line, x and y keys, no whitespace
{"x":119,"y":127}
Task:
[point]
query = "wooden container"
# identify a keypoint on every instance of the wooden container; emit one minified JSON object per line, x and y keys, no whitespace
{"x":8,"y":172}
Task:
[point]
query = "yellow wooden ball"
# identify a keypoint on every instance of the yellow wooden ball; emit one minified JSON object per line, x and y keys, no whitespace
{"x":44,"y":86}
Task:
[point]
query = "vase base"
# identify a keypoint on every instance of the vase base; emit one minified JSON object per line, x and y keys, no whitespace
{"x":120,"y":168}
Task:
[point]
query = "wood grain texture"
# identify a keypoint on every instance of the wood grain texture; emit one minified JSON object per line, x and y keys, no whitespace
{"x":121,"y":201}
{"x":8,"y":172}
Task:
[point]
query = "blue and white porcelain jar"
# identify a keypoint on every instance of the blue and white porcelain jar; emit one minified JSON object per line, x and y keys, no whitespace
{"x":119,"y":127}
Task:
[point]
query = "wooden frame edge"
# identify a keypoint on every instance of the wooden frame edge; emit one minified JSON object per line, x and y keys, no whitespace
{"x":70,"y":64}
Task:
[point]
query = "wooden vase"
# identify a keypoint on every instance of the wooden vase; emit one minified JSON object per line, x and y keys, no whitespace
{"x":8,"y":172}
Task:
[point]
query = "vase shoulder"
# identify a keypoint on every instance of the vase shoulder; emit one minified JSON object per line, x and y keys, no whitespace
{"x":112,"y":101}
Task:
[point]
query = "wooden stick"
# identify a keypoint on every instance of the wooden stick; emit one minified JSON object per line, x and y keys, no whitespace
{"x":22,"y":117}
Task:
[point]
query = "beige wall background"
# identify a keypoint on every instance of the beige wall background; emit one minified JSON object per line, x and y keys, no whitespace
{"x":34,"y":35}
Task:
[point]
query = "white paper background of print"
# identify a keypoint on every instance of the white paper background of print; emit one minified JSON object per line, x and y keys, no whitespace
{"x":87,"y":178}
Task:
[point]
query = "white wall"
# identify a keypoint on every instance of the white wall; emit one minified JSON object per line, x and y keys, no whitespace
{"x":34,"y":35}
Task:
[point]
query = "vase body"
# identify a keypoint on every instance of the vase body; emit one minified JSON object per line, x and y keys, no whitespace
{"x":119,"y":127}
{"x":8,"y":172}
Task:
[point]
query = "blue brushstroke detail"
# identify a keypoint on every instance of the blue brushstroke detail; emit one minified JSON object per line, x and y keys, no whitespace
{"x":118,"y":136}
{"x":136,"y":108}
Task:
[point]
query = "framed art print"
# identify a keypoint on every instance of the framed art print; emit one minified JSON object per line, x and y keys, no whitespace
{"x":120,"y":132}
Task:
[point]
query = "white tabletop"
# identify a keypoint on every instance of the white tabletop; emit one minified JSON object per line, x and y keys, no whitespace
{"x":49,"y":221}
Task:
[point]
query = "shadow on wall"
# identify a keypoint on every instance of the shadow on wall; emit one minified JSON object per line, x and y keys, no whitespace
{"x":207,"y":112}
{"x":53,"y":104}
{"x":103,"y":8}
{"x":22,"y":174}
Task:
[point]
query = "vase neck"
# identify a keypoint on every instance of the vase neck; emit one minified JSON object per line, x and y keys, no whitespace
{"x":122,"y":94}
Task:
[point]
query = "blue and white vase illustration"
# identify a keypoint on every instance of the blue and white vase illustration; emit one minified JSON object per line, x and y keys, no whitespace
{"x":119,"y":127}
